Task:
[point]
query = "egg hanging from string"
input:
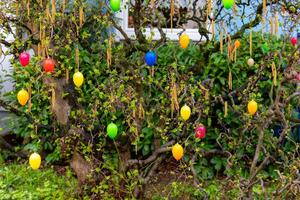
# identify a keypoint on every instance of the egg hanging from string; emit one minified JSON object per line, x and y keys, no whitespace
{"x":200,"y":131}
{"x":237,"y":44}
{"x":150,"y":58}
{"x":294,"y":41}
{"x":78,"y":79}
{"x":22,"y":97}
{"x":112,"y":131}
{"x":177,"y":151}
{"x":24,"y":59}
{"x":228,"y":4}
{"x":115,"y":5}
{"x":48,"y":65}
{"x":250,"y":62}
{"x":252,"y":107}
{"x":184,"y":41}
{"x":35,"y":161}
{"x":185,"y":112}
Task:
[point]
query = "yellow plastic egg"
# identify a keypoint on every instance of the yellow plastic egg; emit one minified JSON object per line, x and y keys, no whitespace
{"x":78,"y":79}
{"x":185,"y":112}
{"x":177,"y":151}
{"x":252,"y":107}
{"x":22,"y":97}
{"x":35,"y":161}
{"x":184,"y":41}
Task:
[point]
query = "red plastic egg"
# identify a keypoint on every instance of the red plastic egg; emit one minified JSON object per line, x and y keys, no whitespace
{"x":294,"y":41}
{"x":24,"y":59}
{"x":48,"y":65}
{"x":200,"y":132}
{"x":298,"y":77}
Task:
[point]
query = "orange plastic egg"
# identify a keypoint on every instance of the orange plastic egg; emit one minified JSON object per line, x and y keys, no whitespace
{"x":237,"y":44}
{"x":177,"y":151}
{"x":22,"y":97}
{"x":184,"y":41}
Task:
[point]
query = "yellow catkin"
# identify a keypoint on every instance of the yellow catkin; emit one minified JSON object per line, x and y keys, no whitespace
{"x":221,"y":41}
{"x":276,"y":23}
{"x":230,"y":80}
{"x":264,"y":7}
{"x":28,"y":7}
{"x":208,"y":9}
{"x":152,"y":3}
{"x":172,"y":11}
{"x":250,"y":42}
{"x":274,"y":74}
{"x":271,"y":26}
{"x":81,"y":16}
{"x":48,"y":17}
{"x":63,"y":7}
{"x":67,"y":76}
{"x":17,"y":9}
{"x":212,"y":29}
{"x":108,"y":51}
{"x":225,"y":109}
{"x":53,"y":11}
{"x":29,"y":103}
{"x":52,"y":96}
{"x":77,"y":57}
{"x":262,"y":24}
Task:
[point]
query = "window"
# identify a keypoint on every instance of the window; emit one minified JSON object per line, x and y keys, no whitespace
{"x":182,"y":8}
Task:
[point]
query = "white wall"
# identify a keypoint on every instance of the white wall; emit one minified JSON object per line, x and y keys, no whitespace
{"x":5,"y":67}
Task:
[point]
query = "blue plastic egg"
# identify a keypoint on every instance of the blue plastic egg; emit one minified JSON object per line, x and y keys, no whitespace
{"x":150,"y":58}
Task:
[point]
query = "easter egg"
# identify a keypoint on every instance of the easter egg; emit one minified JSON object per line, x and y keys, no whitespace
{"x":228,"y":4}
{"x":22,"y":97}
{"x":35,"y":161}
{"x":184,"y":41}
{"x":200,"y":132}
{"x":150,"y":58}
{"x":250,"y":62}
{"x":115,"y":5}
{"x":78,"y":79}
{"x":298,"y":77}
{"x":24,"y":59}
{"x":252,"y":107}
{"x":48,"y":65}
{"x":112,"y":130}
{"x":177,"y":151}
{"x":294,"y":41}
{"x":237,"y":44}
{"x":185,"y":112}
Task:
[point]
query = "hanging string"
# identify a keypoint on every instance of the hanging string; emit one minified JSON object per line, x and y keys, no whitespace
{"x":172,"y":11}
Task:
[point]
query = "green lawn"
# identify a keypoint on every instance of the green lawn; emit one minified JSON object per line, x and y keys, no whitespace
{"x":21,"y":182}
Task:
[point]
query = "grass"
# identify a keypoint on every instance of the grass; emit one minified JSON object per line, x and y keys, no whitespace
{"x":19,"y":181}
